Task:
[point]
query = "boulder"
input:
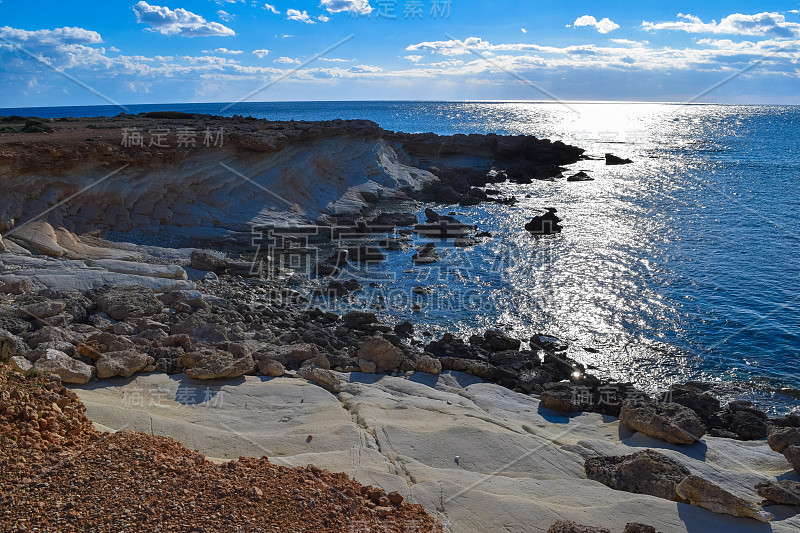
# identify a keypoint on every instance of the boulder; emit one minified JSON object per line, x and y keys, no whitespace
{"x":222,"y":366}
{"x":367,"y":367}
{"x":784,"y":492}
{"x":386,"y":356}
{"x":11,"y":346}
{"x":667,"y":421}
{"x":565,"y":526}
{"x":646,"y":472}
{"x":395,"y":219}
{"x":20,"y":364}
{"x":208,"y":262}
{"x":15,"y":325}
{"x":68,"y":369}
{"x":291,"y":355}
{"x":426,"y":254}
{"x":703,"y":493}
{"x":125,"y":302}
{"x":325,"y":269}
{"x":44,"y":309}
{"x":499,"y":341}
{"x":271,"y":368}
{"x":38,"y":236}
{"x":428,"y":364}
{"x":781,"y":438}
{"x":366,"y":254}
{"x":695,"y":399}
{"x":404,"y":329}
{"x":124,"y":363}
{"x":563,"y":397}
{"x":324,"y":378}
{"x":16,"y":287}
{"x":792,"y":454}
{"x":748,"y":425}
{"x":356,"y":319}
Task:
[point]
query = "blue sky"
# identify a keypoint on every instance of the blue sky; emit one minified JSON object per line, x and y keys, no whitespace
{"x":161,"y":51}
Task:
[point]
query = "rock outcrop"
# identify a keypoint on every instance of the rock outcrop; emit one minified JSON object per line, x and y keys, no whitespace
{"x":645,"y":472}
{"x":703,"y":493}
{"x":68,"y":369}
{"x":667,"y":421}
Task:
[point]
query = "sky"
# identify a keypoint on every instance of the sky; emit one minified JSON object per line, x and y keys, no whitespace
{"x":168,"y":51}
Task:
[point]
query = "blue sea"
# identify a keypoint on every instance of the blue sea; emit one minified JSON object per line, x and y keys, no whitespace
{"x":680,"y":266}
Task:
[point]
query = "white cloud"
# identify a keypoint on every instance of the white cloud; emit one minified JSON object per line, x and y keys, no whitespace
{"x":178,"y":22}
{"x":736,"y":24}
{"x":50,"y":37}
{"x":604,"y":25}
{"x":270,"y":7}
{"x":323,"y":18}
{"x":524,"y":30}
{"x":224,"y":51}
{"x":299,"y":16}
{"x":628,"y":42}
{"x":335,"y":59}
{"x":361,"y":7}
{"x":224,"y":15}
{"x":413,"y":59}
{"x":286,"y":61}
{"x":364,"y":69}
{"x":262,"y":53}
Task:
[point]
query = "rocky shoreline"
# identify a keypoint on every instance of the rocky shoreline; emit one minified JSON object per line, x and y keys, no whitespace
{"x":80,"y":307}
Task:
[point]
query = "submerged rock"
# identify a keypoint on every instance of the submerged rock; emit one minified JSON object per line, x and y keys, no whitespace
{"x":646,"y":472}
{"x":703,"y":493}
{"x":667,"y":421}
{"x":580,"y":176}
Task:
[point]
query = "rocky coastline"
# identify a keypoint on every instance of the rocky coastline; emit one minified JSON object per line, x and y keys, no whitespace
{"x":77,"y":305}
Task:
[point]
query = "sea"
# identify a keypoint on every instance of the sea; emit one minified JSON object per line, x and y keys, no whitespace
{"x":683,"y":265}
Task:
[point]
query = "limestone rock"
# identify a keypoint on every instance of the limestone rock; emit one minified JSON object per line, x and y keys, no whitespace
{"x":271,"y":368}
{"x":208,"y":262}
{"x":646,"y":472}
{"x":124,"y":364}
{"x":19,"y":364}
{"x":635,"y":527}
{"x":324,"y":378}
{"x":781,"y":438}
{"x":40,"y":236}
{"x":384,"y":354}
{"x":667,"y":421}
{"x":132,"y":301}
{"x":792,"y":454}
{"x":68,"y":369}
{"x":11,"y":346}
{"x":292,"y":355}
{"x":45,"y":309}
{"x":223,"y":366}
{"x":565,"y":526}
{"x":428,"y":364}
{"x":784,"y":492}
{"x":16,"y":287}
{"x":703,"y":493}
{"x":563,"y":397}
{"x":367,"y":367}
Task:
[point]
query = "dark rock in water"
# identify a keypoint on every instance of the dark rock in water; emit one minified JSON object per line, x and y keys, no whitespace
{"x":426,"y":254}
{"x":464,"y":242}
{"x":499,"y":341}
{"x":478,"y":193}
{"x":208,"y":262}
{"x":695,"y":399}
{"x":448,"y":195}
{"x":546,"y":224}
{"x":468,"y":200}
{"x":580,"y":176}
{"x":366,"y":254}
{"x":433,"y":217}
{"x":451,"y":346}
{"x":646,"y":472}
{"x":395,"y":245}
{"x":395,"y":219}
{"x":353,"y":285}
{"x":611,"y":159}
{"x":444,"y":229}
{"x":324,"y":269}
{"x":566,"y":526}
{"x":337,"y":289}
{"x":784,"y":492}
{"x":339,"y":258}
{"x":563,"y":397}
{"x":739,"y":419}
{"x":483,"y":235}
{"x":667,"y":421}
{"x":546,"y":343}
{"x":404,"y":329}
{"x":493,"y":192}
{"x":514,"y":359}
{"x":748,"y":426}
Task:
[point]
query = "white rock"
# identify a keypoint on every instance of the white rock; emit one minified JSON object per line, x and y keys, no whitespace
{"x":68,"y":369}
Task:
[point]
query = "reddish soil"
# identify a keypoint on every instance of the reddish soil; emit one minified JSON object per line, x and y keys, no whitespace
{"x":57,"y":474}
